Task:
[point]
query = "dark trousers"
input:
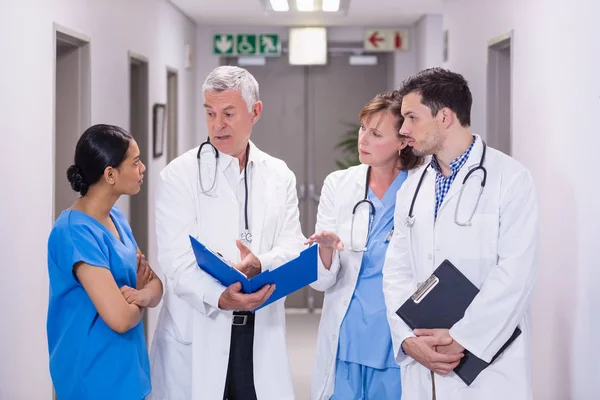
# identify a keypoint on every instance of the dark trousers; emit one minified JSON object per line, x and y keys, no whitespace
{"x":239,"y":384}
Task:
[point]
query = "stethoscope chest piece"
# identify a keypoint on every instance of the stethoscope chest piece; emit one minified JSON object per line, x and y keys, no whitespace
{"x":246,"y":237}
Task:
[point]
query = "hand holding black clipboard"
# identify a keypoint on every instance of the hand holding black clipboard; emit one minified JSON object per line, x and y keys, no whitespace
{"x":439,"y":303}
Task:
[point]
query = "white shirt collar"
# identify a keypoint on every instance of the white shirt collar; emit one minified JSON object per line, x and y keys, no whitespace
{"x":225,"y":160}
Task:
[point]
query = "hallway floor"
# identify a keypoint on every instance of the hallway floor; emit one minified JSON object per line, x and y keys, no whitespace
{"x":301,"y":340}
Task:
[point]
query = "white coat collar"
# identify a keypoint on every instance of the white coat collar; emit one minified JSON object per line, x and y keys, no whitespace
{"x":476,"y":153}
{"x":262,"y":194}
{"x":361,"y":175}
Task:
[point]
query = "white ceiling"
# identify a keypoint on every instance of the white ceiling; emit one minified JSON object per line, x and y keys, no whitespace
{"x":361,"y":13}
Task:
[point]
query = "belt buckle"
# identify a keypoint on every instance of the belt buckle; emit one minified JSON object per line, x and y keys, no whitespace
{"x":239,"y":320}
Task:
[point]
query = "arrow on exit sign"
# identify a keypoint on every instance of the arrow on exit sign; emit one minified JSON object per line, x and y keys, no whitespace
{"x":223,"y":44}
{"x":375,"y":38}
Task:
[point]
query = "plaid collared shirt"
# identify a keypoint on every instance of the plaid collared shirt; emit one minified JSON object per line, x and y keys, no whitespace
{"x":443,"y":183}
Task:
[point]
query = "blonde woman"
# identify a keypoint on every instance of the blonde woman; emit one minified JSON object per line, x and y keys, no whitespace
{"x":354,"y":225}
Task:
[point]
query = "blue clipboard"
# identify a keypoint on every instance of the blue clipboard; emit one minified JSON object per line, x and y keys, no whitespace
{"x":288,"y":278}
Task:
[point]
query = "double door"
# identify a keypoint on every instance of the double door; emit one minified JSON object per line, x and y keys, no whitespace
{"x":306,"y":112}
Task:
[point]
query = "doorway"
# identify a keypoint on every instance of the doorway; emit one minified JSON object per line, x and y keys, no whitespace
{"x":307,"y":111}
{"x":72,"y":108}
{"x":136,"y":207}
{"x":172,"y":114}
{"x":138,"y":127}
{"x":499,"y":81}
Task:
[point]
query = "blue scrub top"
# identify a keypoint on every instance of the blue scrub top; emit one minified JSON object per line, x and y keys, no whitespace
{"x":88,"y":360}
{"x":365,"y":336}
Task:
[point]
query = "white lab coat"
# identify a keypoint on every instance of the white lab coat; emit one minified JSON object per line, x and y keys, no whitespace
{"x":190,"y":351}
{"x":497,"y":253}
{"x":341,"y":191}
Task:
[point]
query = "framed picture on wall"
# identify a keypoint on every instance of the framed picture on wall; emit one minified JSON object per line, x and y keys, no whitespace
{"x":446,"y":45}
{"x":159,"y":127}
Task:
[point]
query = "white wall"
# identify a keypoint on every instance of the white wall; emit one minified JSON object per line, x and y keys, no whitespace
{"x":404,"y":63}
{"x":152,"y":28}
{"x":555,"y":133}
{"x":429,"y":38}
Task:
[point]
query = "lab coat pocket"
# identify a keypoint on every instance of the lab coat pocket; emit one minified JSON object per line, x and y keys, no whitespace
{"x":343,"y":232}
{"x":178,"y":320}
{"x":274,"y":212}
{"x":355,"y":231}
{"x":478,"y":240}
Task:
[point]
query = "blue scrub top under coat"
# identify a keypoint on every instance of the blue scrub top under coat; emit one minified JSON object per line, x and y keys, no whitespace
{"x":365,"y":333}
{"x":88,"y":360}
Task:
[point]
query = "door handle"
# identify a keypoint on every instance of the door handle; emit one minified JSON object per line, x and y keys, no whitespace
{"x":312,"y":193}
{"x":301,"y":192}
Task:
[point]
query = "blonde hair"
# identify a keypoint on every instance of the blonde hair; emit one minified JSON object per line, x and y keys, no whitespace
{"x":391,"y":102}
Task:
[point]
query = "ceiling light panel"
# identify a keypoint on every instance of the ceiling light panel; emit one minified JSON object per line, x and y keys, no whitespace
{"x":305,"y":5}
{"x":331,"y":5}
{"x":280,"y":5}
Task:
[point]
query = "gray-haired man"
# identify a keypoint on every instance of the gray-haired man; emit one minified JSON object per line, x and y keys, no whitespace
{"x":242,"y":203}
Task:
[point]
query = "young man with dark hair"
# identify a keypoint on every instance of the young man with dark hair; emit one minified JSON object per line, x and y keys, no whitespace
{"x":477,"y":208}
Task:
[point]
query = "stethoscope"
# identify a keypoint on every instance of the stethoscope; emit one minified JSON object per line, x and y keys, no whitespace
{"x":410,"y":218}
{"x":245,"y":236}
{"x":365,"y":200}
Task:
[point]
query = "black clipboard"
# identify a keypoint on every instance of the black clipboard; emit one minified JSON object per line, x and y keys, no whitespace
{"x":440,"y":302}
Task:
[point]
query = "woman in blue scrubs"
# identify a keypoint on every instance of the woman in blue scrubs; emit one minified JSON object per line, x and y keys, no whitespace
{"x":355,"y":220}
{"x":100,"y":283}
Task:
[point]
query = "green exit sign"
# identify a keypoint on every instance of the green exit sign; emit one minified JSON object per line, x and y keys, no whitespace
{"x":223,"y":44}
{"x":228,"y":44}
{"x":269,"y":45}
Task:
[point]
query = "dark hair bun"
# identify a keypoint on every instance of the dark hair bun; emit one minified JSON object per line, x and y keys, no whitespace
{"x":75,"y":177}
